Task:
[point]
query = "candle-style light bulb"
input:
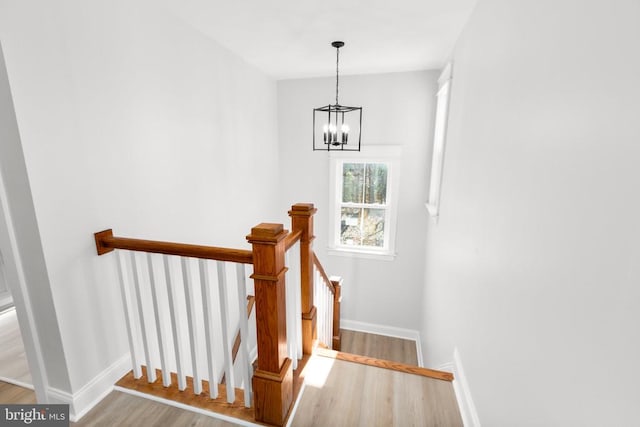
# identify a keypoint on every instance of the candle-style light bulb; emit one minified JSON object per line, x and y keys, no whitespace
{"x":325,"y":132}
{"x":333,"y":134}
{"x":344,"y":129}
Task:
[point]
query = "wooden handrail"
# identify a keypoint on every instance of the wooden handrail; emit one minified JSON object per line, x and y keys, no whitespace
{"x":292,"y":239}
{"x":106,"y":242}
{"x":325,"y":278}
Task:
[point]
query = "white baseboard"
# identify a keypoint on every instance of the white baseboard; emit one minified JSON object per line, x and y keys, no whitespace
{"x":447,"y":367}
{"x":463,"y":393}
{"x":17,"y":382}
{"x":93,"y":392}
{"x":389,"y":331}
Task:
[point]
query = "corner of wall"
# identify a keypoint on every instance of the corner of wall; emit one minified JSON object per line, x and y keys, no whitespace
{"x":463,"y":393}
{"x":93,"y":392}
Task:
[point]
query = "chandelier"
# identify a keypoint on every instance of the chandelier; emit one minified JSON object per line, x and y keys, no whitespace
{"x":337,"y":127}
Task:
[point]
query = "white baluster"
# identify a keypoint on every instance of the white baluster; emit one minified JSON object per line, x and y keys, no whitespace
{"x":228,"y":357}
{"x":137,"y":372}
{"x":151,"y":372}
{"x":190,"y":303}
{"x":330,"y":343}
{"x":175,"y":326}
{"x":246,"y":368}
{"x":298,"y":311}
{"x":166,"y":374}
{"x":323,"y":310}
{"x":208,"y":327}
{"x":318,"y":301}
{"x":329,"y":318}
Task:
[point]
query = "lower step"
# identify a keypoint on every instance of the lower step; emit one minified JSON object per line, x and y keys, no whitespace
{"x":385,"y":364}
{"x":188,"y":397}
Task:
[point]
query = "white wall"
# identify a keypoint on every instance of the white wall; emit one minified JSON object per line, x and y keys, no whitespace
{"x":134,"y":121}
{"x":533,"y":270}
{"x":397,"y":110}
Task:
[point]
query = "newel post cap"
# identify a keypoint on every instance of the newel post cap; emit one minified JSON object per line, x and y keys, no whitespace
{"x":303,"y":209}
{"x":267,"y":233}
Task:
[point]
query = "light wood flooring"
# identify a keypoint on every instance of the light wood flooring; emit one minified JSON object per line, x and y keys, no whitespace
{"x":13,"y":360}
{"x":380,"y":347}
{"x":10,"y":393}
{"x":338,"y":393}
{"x":121,"y":409}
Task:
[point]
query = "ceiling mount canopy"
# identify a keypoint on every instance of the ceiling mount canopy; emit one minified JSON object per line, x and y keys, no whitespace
{"x":337,"y":127}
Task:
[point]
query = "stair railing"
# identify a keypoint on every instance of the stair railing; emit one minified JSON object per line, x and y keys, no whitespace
{"x":163,"y":284}
{"x":286,"y":316}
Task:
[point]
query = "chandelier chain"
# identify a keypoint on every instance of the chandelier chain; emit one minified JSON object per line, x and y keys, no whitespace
{"x":337,"y":74}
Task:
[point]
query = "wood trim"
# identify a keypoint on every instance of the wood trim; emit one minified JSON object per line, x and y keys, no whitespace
{"x":337,"y":299}
{"x":273,"y":380}
{"x":292,"y":239}
{"x":273,"y":394}
{"x":106,"y":242}
{"x":202,"y":401}
{"x":302,"y":219}
{"x":324,"y":275}
{"x":385,"y":364}
{"x":99,"y":237}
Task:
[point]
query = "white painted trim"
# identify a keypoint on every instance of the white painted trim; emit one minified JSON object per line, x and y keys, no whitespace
{"x":92,"y":392}
{"x":17,"y":382}
{"x":359,"y":253}
{"x":21,"y":298}
{"x":389,"y":331}
{"x":57,"y":396}
{"x":419,"y":352}
{"x":463,"y":393}
{"x":179,"y":405}
{"x":392,"y":156}
{"x":447,"y":367}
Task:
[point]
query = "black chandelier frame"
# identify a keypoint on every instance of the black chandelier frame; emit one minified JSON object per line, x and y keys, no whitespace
{"x":336,"y":112}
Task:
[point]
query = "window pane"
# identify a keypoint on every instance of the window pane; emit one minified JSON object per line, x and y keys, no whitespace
{"x":352,"y":182}
{"x":362,"y":227}
{"x":373,"y":228}
{"x":375,"y":183}
{"x":350,"y":226}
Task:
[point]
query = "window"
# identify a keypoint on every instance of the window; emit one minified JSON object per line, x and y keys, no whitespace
{"x":364,"y":201}
{"x":439,"y":137}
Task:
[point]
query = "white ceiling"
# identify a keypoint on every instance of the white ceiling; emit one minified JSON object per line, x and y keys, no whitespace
{"x":291,"y":38}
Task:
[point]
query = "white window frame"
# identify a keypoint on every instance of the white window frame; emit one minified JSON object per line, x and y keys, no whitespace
{"x":439,"y":139}
{"x":389,"y":154}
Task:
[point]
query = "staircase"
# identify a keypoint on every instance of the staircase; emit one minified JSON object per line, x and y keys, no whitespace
{"x":203,"y":332}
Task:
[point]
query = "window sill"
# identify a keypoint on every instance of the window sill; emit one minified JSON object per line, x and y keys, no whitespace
{"x":355,"y":253}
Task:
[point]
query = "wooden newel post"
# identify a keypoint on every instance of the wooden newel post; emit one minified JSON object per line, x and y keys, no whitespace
{"x":273,"y":380}
{"x":302,"y":219}
{"x":336,"y":281}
